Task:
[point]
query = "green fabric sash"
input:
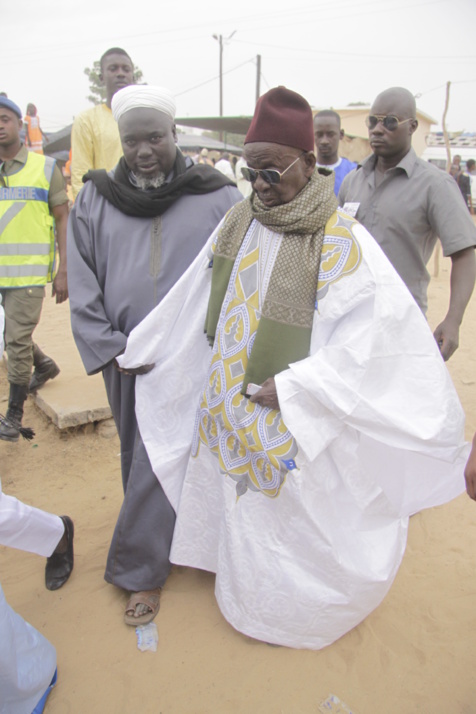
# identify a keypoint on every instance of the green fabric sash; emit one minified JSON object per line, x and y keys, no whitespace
{"x":284,"y":331}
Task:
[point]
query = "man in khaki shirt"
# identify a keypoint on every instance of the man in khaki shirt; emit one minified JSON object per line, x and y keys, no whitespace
{"x":95,"y":137}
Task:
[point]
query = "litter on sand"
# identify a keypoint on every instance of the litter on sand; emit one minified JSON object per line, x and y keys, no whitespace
{"x":147,"y":637}
{"x":333,"y":705}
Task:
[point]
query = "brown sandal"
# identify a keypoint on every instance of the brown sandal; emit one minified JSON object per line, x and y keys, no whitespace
{"x":151,"y":598}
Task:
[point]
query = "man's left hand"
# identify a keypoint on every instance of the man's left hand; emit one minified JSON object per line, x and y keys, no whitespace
{"x":267,"y":395}
{"x":60,"y":286}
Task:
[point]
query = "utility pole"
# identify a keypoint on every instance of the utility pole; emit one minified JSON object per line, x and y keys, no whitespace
{"x":219,"y":39}
{"x":443,"y":123}
{"x":258,"y":75}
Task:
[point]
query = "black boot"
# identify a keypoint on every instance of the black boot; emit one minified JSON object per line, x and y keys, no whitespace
{"x":45,"y":369}
{"x":11,"y":425}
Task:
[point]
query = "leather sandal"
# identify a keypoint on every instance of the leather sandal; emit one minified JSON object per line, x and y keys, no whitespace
{"x":151,"y":598}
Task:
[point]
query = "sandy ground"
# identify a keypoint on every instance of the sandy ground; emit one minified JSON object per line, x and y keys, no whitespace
{"x":415,"y":653}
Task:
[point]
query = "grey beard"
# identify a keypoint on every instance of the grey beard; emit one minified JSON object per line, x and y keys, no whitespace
{"x":144,"y":183}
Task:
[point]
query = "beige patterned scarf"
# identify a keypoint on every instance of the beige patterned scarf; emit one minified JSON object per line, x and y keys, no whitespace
{"x":284,"y":331}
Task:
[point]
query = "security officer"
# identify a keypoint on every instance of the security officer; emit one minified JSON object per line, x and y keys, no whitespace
{"x":32,"y":200}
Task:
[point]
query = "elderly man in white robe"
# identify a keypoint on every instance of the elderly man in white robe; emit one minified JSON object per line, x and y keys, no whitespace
{"x":298,"y":498}
{"x":132,"y":233}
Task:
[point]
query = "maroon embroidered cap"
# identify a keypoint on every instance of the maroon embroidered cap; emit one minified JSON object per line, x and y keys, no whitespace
{"x":282,"y":117}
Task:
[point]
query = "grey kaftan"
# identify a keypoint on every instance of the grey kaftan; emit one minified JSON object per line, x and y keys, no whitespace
{"x":119,"y":269}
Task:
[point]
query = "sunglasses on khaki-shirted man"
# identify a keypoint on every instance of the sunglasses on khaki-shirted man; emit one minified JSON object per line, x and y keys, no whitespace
{"x":389,"y":122}
{"x":272,"y":176}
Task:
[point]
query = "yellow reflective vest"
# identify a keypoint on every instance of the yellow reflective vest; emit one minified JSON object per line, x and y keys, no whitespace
{"x":27,"y":241}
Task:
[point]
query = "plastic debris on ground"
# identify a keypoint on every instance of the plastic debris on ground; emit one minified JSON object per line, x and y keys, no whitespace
{"x":333,"y":705}
{"x":147,"y":637}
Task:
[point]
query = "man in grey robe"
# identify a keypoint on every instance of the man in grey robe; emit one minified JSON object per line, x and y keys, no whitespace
{"x":131,"y":235}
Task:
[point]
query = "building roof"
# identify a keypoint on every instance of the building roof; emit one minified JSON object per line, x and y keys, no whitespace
{"x":232,"y":125}
{"x":366,"y":108}
{"x":190,"y":142}
{"x":61,"y":141}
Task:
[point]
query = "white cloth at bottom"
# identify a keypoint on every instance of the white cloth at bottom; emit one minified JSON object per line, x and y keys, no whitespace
{"x":27,"y":659}
{"x":27,"y":662}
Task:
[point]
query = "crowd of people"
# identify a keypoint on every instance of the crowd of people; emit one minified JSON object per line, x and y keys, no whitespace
{"x":282,"y":405}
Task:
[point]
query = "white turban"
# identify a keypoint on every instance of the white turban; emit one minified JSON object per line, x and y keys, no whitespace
{"x":143,"y":95}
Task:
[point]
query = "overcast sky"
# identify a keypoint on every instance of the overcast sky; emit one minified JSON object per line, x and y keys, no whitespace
{"x":331,"y":51}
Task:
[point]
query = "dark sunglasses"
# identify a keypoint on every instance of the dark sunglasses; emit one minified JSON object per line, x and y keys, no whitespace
{"x":271,"y":176}
{"x":389,"y":122}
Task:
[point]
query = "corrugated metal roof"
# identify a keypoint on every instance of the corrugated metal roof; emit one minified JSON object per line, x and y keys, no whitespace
{"x":61,"y":141}
{"x":233,"y":125}
{"x":188,"y":142}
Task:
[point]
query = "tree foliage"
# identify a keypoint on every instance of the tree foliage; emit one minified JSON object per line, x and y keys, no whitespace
{"x":97,"y":89}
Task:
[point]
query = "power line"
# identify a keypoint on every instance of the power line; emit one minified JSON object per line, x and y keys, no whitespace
{"x":31,"y":52}
{"x":356,"y":54}
{"x":77,"y":50}
{"x":265,"y":80}
{"x":442,"y":86}
{"x":398,"y":7}
{"x":213,"y":79}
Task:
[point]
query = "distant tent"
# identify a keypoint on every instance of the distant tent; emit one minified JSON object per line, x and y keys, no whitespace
{"x":60,"y":141}
{"x":195,"y":142}
{"x":230,"y":125}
